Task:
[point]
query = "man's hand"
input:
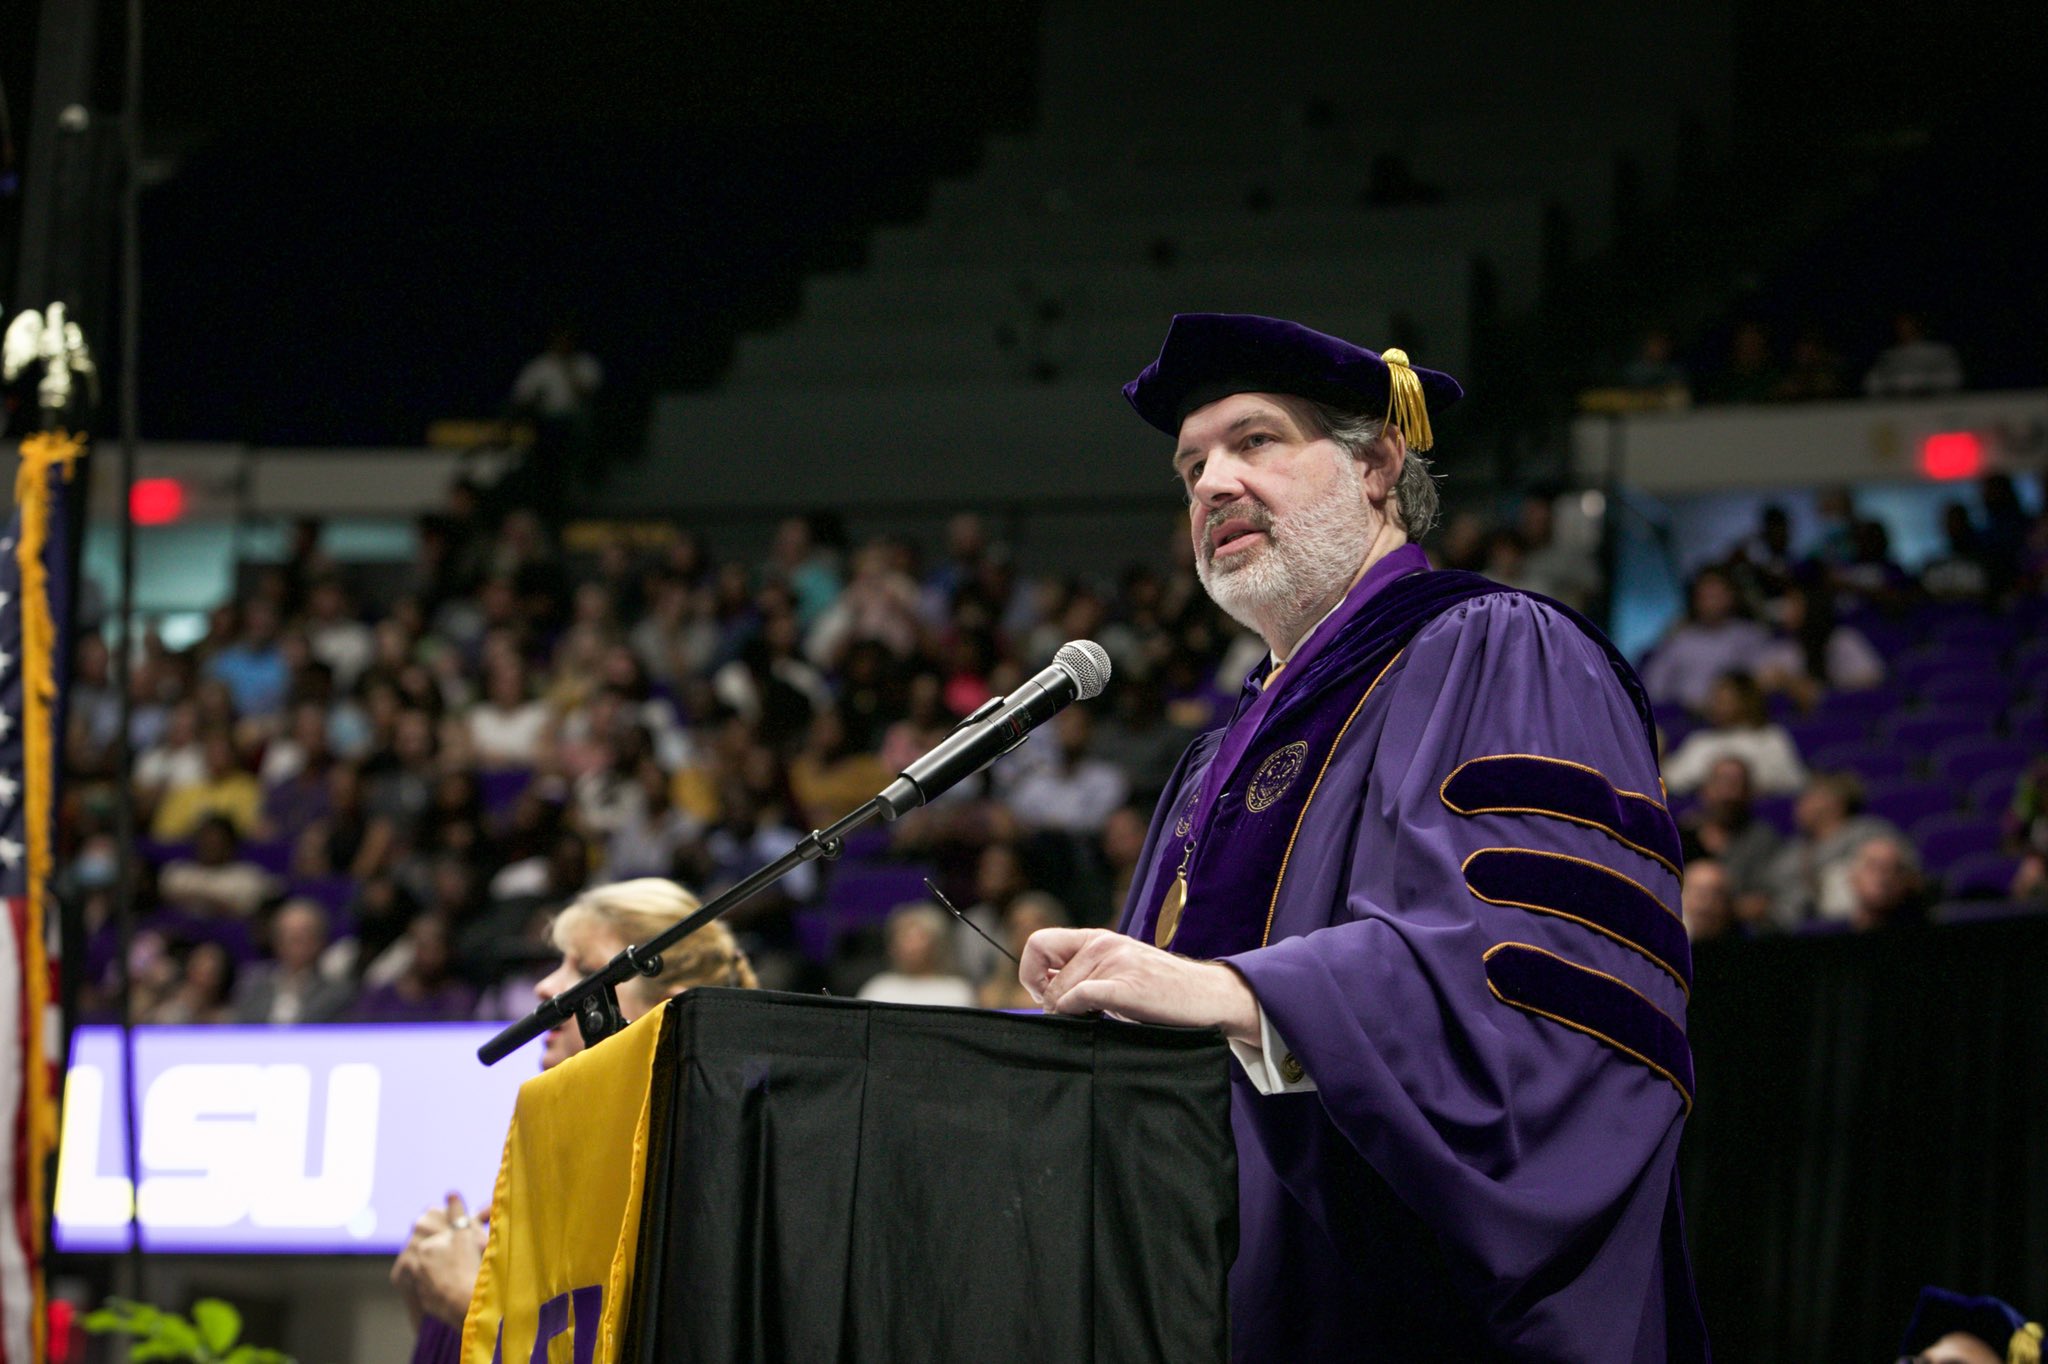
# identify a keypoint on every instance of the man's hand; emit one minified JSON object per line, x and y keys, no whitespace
{"x":1081,"y":970}
{"x":436,"y":1272}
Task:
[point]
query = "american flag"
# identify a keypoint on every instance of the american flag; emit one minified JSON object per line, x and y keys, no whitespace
{"x":35,"y":592}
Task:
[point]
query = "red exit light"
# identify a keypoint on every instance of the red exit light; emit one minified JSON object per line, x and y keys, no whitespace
{"x":1952,"y":454}
{"x":156,"y":501}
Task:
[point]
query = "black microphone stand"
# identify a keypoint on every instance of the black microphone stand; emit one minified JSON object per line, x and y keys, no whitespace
{"x":594,"y":1001}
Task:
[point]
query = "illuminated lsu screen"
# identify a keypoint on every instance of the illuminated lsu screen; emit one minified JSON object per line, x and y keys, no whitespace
{"x":306,"y":1140}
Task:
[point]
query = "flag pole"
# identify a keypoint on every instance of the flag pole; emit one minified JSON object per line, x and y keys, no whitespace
{"x":125,"y":832}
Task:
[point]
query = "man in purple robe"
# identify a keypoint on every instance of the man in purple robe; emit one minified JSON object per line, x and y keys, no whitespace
{"x":1425,"y":883}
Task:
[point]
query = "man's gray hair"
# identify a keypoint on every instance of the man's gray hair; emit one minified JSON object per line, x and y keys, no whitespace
{"x":1415,"y":495}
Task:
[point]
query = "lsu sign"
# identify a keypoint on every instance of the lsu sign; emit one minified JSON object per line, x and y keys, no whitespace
{"x":308,"y":1140}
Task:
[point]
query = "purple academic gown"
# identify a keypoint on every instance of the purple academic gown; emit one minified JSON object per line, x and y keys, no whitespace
{"x":1449,"y":877}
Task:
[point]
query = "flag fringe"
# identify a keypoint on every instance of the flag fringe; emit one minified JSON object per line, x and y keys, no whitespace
{"x":40,"y":454}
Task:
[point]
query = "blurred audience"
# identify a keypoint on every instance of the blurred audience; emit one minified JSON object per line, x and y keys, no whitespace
{"x":1547,"y":561}
{"x":204,"y":991}
{"x":1030,"y":912}
{"x":1064,"y":787}
{"x":1655,"y":366}
{"x":1712,"y":640}
{"x":427,"y":767}
{"x":558,"y":384}
{"x":215,"y":881}
{"x":1886,"y":888}
{"x":427,"y":991}
{"x":921,"y":968}
{"x":225,"y":790}
{"x":1813,"y":373}
{"x":1763,"y":567}
{"x":1915,"y":365}
{"x":1811,"y":653}
{"x":1724,"y":828}
{"x":1809,"y":877}
{"x":1707,"y":902}
{"x":1737,"y":727}
{"x":1751,"y":374}
{"x":293,"y":987}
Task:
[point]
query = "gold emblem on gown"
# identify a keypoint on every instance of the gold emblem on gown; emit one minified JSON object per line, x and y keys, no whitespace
{"x":1274,"y":776}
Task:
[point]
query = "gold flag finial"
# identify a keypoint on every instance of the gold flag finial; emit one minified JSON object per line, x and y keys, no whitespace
{"x":1405,"y":407}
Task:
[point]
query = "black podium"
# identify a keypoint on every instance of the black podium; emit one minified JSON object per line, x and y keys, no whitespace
{"x":830,"y":1180}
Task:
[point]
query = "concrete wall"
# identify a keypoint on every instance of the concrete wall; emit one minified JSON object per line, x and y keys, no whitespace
{"x":1802,"y":446}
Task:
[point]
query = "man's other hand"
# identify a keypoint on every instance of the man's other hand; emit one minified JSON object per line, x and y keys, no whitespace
{"x":1082,"y":970}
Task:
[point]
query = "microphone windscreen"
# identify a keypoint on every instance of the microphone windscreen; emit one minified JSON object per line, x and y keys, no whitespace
{"x":1087,"y":663}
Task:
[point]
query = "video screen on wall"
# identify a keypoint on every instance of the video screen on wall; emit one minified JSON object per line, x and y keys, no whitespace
{"x":306,"y":1140}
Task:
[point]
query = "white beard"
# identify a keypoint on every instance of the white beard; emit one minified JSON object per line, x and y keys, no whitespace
{"x":1279,"y":588}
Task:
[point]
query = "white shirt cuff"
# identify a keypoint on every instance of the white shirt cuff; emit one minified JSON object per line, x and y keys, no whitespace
{"x":1271,"y":1068}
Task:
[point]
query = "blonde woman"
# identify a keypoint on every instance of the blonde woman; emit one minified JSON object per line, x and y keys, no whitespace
{"x":436,"y":1271}
{"x":602,"y":922}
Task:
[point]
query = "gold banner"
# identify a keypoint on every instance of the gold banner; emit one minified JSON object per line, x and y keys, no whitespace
{"x":565,"y":1218}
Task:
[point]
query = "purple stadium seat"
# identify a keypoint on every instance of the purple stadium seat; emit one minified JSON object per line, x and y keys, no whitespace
{"x":1872,"y":762}
{"x":1824,"y":731}
{"x":1945,"y":840}
{"x":1991,"y":793}
{"x":1906,"y":803}
{"x":1917,"y":670}
{"x":2028,"y":722}
{"x":866,"y":893}
{"x":869,"y":844}
{"x":1985,"y":911}
{"x":1977,"y":634}
{"x":1888,"y":637}
{"x":501,"y":790}
{"x":234,"y":935}
{"x":274,"y":855}
{"x":817,"y":933}
{"x":1775,"y":812}
{"x":160,"y":854}
{"x":1861,"y":705}
{"x":1929,"y":730}
{"x":1987,"y":692}
{"x":2030,"y":660}
{"x":1981,"y":876}
{"x":1674,"y":722}
{"x":332,"y":893}
{"x":1962,"y":761}
{"x":860,"y":894}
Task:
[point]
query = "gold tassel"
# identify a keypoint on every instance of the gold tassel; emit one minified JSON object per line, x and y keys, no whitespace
{"x":1405,"y":407}
{"x":2026,"y":1345}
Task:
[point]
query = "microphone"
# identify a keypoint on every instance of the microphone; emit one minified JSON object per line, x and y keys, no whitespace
{"x":1079,"y":672}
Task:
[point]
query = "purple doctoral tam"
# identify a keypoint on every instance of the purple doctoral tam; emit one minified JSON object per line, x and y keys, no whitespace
{"x":1213,"y":355}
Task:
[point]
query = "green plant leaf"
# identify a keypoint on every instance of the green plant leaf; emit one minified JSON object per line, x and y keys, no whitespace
{"x":160,"y":1349}
{"x":177,"y":1335}
{"x":218,"y":1324}
{"x":209,"y":1338}
{"x":124,"y":1317}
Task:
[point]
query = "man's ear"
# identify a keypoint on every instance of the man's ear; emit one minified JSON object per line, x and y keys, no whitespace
{"x":1384,"y":460}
